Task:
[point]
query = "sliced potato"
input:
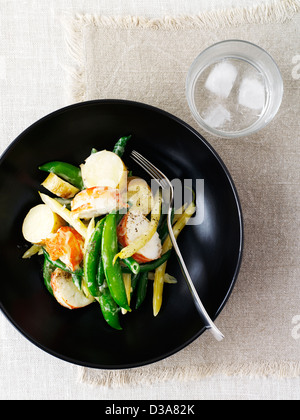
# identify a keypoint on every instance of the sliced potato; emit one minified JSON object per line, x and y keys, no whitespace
{"x":59,"y":187}
{"x":39,"y":223}
{"x":104,"y":169}
{"x":65,"y":291}
{"x":139,"y":195}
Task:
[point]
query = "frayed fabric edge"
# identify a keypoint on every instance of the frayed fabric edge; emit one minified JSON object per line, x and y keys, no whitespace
{"x":75,"y":47}
{"x":277,"y":11}
{"x":152,"y":375}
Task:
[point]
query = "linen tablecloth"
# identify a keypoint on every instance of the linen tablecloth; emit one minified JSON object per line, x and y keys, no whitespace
{"x":32,"y":84}
{"x":147,"y":60}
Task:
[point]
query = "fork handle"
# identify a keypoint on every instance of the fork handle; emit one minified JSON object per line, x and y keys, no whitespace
{"x":199,"y":305}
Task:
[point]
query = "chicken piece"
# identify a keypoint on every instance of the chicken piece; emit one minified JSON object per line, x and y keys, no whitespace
{"x":67,"y":245}
{"x":96,"y":201}
{"x":130,"y":228}
{"x":65,"y":291}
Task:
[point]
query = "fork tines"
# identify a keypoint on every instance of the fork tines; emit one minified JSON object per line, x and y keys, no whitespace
{"x":152,"y":170}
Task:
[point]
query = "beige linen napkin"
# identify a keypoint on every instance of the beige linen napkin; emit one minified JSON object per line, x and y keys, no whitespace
{"x":147,"y":60}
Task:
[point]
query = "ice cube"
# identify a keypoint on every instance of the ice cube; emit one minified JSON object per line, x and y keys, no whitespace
{"x":221,"y":79}
{"x":252,"y":93}
{"x":217,"y":116}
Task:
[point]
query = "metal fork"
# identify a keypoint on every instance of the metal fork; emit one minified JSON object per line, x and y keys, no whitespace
{"x":164,"y":183}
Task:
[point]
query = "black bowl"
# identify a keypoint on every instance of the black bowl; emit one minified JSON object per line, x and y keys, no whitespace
{"x":212,"y":250}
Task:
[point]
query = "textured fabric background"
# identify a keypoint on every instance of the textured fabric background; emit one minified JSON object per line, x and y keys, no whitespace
{"x":33,"y":57}
{"x":147,"y":60}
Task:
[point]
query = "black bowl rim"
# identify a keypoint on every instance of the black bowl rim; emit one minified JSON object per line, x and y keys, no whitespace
{"x":238,"y":206}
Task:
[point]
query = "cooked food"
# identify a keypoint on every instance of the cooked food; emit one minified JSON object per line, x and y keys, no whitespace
{"x":104,"y":169}
{"x":65,"y":214}
{"x":139,"y":195}
{"x":39,"y":223}
{"x":131,"y":228}
{"x":67,"y":245}
{"x":102,"y":235}
{"x":96,"y":201}
{"x":59,"y":187}
{"x":65,"y":291}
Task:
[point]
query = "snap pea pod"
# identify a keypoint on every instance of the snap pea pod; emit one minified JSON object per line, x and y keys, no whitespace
{"x":68,"y":172}
{"x":130,"y":262}
{"x":113,"y":272}
{"x":100,"y":276}
{"x":151,"y":266}
{"x":48,"y":269}
{"x":133,"y":265}
{"x":141,"y":289}
{"x":109,"y":308}
{"x":119,"y":148}
{"x":91,"y":261}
